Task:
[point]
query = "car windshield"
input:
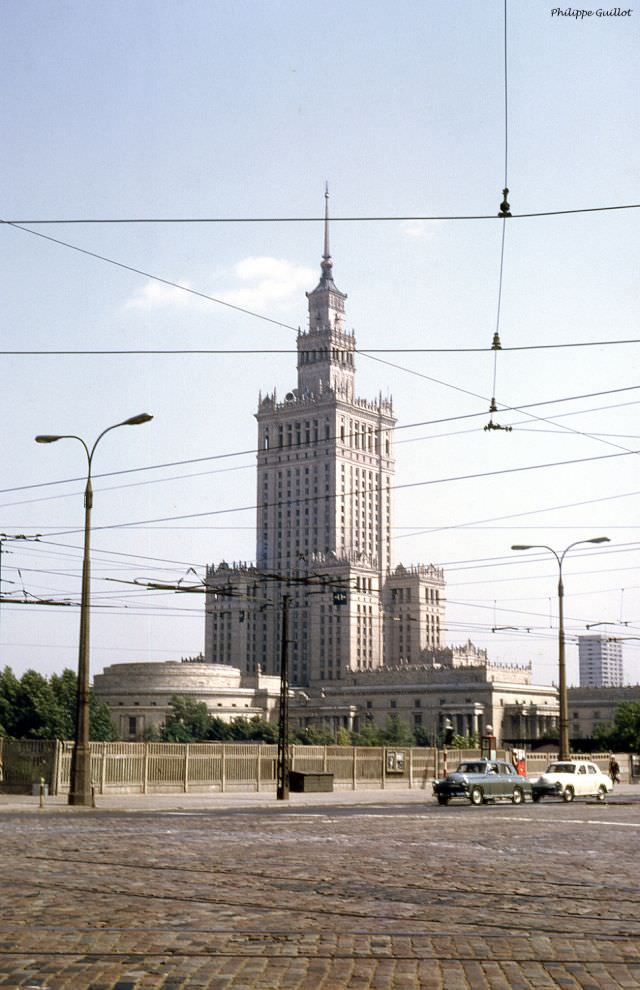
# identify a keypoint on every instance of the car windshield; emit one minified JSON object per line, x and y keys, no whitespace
{"x":562,"y":768}
{"x":472,"y":768}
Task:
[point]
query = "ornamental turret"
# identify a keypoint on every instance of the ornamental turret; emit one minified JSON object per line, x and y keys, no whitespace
{"x":326,"y":350}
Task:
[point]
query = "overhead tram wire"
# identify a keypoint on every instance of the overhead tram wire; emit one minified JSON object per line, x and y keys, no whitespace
{"x":155,"y":278}
{"x":356,"y":218}
{"x":253,"y":450}
{"x":414,"y":531}
{"x":505,"y":211}
{"x":503,"y":406}
{"x":245,"y":467}
{"x":305,"y":499}
{"x":452,"y":567}
{"x":364,"y":351}
{"x":259,"y":316}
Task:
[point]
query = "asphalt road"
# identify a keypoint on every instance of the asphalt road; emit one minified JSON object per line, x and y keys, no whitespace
{"x":389,"y":891}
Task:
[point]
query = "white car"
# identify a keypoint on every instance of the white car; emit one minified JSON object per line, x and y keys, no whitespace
{"x":569,"y":779}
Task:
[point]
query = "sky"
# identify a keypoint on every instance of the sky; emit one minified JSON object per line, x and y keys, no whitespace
{"x":204,"y":109}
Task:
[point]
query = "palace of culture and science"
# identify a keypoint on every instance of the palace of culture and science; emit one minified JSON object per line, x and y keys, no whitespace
{"x":364,"y":635}
{"x":324,"y":509}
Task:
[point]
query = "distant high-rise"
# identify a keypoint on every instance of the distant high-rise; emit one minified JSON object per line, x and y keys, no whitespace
{"x":325,"y":506}
{"x":600,"y":661}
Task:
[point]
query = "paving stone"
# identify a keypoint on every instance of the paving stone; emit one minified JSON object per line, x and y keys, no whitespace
{"x":401,"y":896}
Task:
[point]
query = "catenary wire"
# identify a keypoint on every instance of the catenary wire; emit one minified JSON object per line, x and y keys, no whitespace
{"x":245,"y":467}
{"x":310,"y":498}
{"x":378,"y":218}
{"x":268,"y":319}
{"x":364,"y":351}
{"x":253,"y":450}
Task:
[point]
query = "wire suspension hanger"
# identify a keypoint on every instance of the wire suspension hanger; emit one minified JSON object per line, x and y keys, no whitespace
{"x":504,"y":212}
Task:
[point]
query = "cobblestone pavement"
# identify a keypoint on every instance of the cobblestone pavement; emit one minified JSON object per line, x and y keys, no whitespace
{"x":392,"y":895}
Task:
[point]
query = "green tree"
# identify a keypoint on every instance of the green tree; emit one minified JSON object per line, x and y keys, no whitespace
{"x":9,"y":690}
{"x":465,"y":742}
{"x":396,"y":733}
{"x":188,"y":721}
{"x":37,"y":707}
{"x":101,"y":727}
{"x":422,"y":736}
{"x":219,"y":730}
{"x":368,"y":735}
{"x":254,"y":730}
{"x":315,"y":736}
{"x":624,"y":734}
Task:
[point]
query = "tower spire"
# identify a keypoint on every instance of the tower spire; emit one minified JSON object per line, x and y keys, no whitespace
{"x":327,"y":253}
{"x":326,"y":264}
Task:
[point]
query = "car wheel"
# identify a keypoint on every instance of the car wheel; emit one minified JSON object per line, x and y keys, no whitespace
{"x":535,"y":797}
{"x":476,"y":796}
{"x":443,"y":799}
{"x":517,"y":797}
{"x":568,"y":794}
{"x":602,"y":793}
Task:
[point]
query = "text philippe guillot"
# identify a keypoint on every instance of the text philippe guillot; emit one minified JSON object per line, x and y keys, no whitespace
{"x":599,"y":12}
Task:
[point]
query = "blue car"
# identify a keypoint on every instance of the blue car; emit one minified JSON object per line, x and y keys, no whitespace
{"x":480,"y":781}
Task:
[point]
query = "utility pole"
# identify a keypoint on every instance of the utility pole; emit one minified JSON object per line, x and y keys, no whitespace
{"x":282,"y":789}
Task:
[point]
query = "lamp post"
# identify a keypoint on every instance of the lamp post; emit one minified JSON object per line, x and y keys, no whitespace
{"x":80,"y":782}
{"x":282,"y":764}
{"x":562,"y":670}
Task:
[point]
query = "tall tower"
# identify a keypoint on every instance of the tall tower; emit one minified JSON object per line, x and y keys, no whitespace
{"x":324,"y":497}
{"x":325,"y":457}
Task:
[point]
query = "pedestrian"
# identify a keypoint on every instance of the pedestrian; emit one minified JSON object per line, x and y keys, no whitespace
{"x":614,"y":770}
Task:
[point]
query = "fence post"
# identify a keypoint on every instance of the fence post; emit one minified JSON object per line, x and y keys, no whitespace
{"x":55,"y":772}
{"x":258,"y":766}
{"x":324,"y":760}
{"x":186,"y":767}
{"x":354,"y":769}
{"x":410,"y":768}
{"x":103,"y":768}
{"x":223,"y":768}
{"x":384,"y":754}
{"x":145,"y":768}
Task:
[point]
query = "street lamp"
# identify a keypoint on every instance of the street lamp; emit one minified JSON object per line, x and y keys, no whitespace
{"x":562,"y":671}
{"x":80,"y":782}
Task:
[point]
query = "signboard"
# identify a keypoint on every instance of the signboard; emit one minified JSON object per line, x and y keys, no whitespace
{"x":395,"y":761}
{"x":340,"y":596}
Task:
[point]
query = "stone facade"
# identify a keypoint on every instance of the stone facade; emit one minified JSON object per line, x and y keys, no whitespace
{"x":593,"y":706}
{"x":139,"y":694}
{"x":425,"y":696}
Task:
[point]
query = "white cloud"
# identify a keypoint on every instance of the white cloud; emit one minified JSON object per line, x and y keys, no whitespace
{"x":267,"y":283}
{"x":420,"y":229}
{"x":156,"y":295}
{"x":259,"y":283}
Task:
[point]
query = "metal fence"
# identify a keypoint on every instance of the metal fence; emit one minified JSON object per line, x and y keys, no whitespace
{"x":147,"y":768}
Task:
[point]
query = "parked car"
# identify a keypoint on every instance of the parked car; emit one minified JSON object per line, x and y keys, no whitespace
{"x":483,"y":780}
{"x":569,"y":779}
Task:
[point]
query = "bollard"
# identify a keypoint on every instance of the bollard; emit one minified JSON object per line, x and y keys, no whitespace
{"x":41,"y":792}
{"x":93,"y":795}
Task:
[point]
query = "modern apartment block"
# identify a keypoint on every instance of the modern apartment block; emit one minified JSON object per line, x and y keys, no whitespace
{"x":325,"y":513}
{"x":600,"y":660}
